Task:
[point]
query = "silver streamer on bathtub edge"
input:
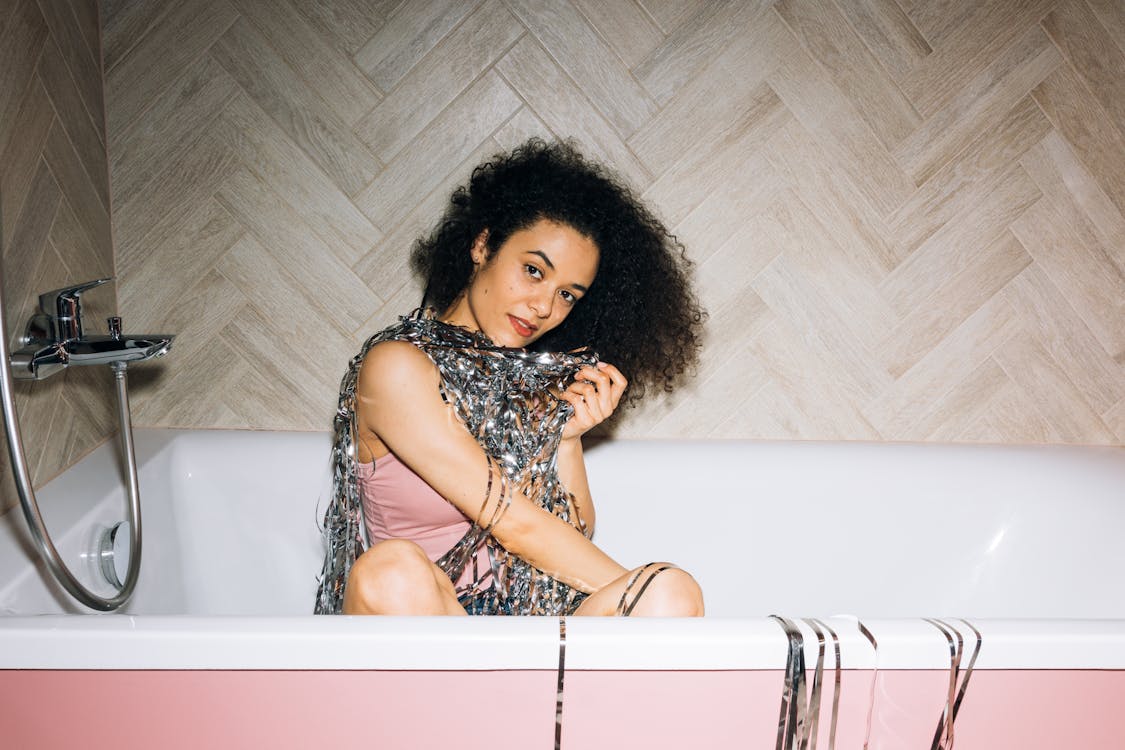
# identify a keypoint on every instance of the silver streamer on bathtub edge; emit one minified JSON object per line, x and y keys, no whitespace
{"x":943,"y":734}
{"x":874,"y":679}
{"x":799,"y":714}
{"x":562,"y":675}
{"x":836,"y":690}
{"x":504,"y":398}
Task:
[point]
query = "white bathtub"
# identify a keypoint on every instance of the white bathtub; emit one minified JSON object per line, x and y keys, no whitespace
{"x":1025,"y":544}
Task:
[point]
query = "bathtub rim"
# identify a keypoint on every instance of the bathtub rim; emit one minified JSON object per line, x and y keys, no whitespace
{"x":124,"y":642}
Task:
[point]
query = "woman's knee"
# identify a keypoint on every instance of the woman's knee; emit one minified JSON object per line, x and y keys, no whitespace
{"x":672,"y":592}
{"x":393,"y":576}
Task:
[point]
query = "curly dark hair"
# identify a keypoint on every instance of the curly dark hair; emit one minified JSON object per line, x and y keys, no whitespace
{"x":640,"y":314}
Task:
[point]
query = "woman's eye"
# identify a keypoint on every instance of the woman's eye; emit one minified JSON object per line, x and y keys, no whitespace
{"x":568,"y":297}
{"x":533,"y":272}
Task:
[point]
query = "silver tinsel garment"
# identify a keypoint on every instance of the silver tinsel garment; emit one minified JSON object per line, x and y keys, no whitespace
{"x":504,"y":398}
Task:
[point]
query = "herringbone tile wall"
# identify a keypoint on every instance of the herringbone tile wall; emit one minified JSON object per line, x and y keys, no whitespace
{"x":907,"y":216}
{"x":54,"y":216}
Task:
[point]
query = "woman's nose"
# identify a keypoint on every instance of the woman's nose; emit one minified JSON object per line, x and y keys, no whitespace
{"x":541,"y":304}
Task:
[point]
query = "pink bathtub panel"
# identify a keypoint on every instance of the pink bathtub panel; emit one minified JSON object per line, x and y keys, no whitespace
{"x":1043,"y":709}
{"x":671,"y":710}
{"x":276,"y":709}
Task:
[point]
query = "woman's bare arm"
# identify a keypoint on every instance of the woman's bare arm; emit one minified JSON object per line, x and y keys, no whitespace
{"x":398,"y":401}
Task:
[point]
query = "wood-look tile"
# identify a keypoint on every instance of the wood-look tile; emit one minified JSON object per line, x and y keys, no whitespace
{"x":190,"y":389}
{"x":1115,"y":420}
{"x":959,"y":295}
{"x":724,"y":279}
{"x":386,"y":268}
{"x":1111,"y":15}
{"x":347,"y":300}
{"x":314,"y":384}
{"x":89,"y":23}
{"x":169,"y":127}
{"x":77,"y":187}
{"x":1089,"y":49}
{"x":720,"y":215}
{"x":439,"y":78}
{"x":186,"y":182}
{"x":974,"y":172}
{"x":715,"y":97}
{"x":20,"y":159}
{"x":346,"y":24}
{"x":27,"y":245}
{"x":831,"y":41}
{"x":830,"y":195}
{"x":979,"y":106}
{"x":969,"y":398}
{"x":75,"y":121}
{"x":524,"y":124}
{"x":704,"y":404}
{"x":203,"y":306}
{"x":83,"y":63}
{"x":1016,"y":418}
{"x":293,"y":310}
{"x":579,"y":51}
{"x":978,"y":33}
{"x":68,"y":235}
{"x":152,"y":286}
{"x":908,"y":399}
{"x":768,"y":414}
{"x":888,"y":32}
{"x":262,"y":404}
{"x":1036,"y":372}
{"x":951,"y":248}
{"x":311,"y":197}
{"x":408,"y":35}
{"x":195,"y":316}
{"x":468,"y":121}
{"x":669,"y":14}
{"x":307,"y":120}
{"x":1077,"y":197}
{"x":626,"y":28}
{"x":1085,"y":124}
{"x":1052,"y":320}
{"x":815,"y":251}
{"x":564,"y":108}
{"x":795,"y":298}
{"x":159,"y":58}
{"x":1092,"y":283}
{"x":125,"y":24}
{"x":338,"y":84}
{"x":711,"y":163}
{"x":21,"y":41}
{"x":795,"y":363}
{"x":690,"y":47}
{"x":828,"y":115}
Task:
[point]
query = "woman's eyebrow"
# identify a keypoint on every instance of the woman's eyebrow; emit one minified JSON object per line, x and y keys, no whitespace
{"x":543,"y":255}
{"x":551,"y":265}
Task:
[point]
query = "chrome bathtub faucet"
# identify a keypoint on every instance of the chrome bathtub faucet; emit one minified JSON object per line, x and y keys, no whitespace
{"x":54,"y":338}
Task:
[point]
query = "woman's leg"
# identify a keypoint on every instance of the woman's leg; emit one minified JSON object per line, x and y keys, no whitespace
{"x":655,"y":590}
{"x":394,"y":577}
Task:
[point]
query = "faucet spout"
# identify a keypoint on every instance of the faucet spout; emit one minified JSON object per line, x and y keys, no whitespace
{"x":104,"y":350}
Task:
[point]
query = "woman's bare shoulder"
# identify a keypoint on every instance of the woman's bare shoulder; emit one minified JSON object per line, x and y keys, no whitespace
{"x":395,"y":364}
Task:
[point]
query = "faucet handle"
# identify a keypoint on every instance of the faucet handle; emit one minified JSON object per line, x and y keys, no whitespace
{"x":65,"y":306}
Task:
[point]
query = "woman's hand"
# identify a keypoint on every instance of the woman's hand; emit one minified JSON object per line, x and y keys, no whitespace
{"x":594,"y":394}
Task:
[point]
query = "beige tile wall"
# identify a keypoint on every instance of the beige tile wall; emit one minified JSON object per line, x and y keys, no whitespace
{"x":54,"y":215}
{"x":907,"y":218}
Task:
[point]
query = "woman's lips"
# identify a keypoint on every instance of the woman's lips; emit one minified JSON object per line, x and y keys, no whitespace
{"x":521,"y":326}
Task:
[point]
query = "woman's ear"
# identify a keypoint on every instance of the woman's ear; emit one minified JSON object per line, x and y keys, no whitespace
{"x":479,"y":250}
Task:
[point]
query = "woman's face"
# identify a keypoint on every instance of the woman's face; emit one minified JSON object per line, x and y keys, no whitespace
{"x":528,"y":285}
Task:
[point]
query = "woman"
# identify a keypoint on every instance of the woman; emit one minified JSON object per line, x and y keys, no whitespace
{"x":479,"y":503}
